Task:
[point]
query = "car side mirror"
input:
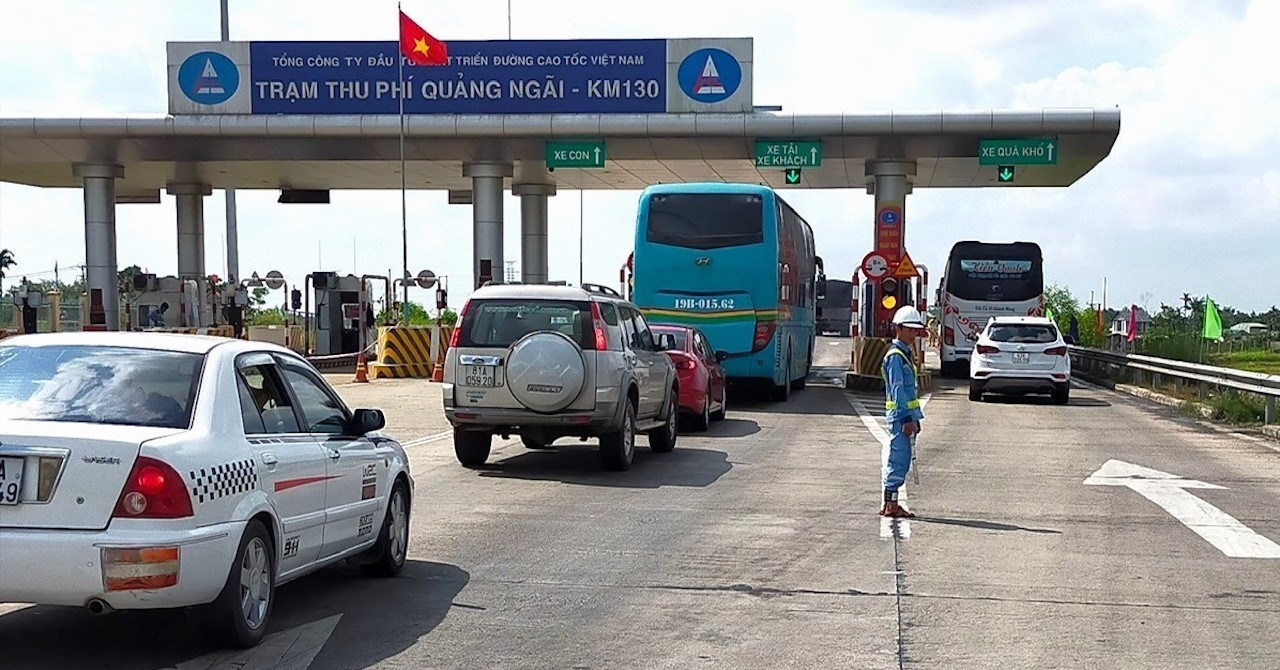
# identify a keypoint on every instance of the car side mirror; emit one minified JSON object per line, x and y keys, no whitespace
{"x":1069,"y":341}
{"x":365,"y":421}
{"x":722,"y":356}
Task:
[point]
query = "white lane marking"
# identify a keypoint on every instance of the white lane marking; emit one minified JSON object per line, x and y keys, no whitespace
{"x":1220,"y":529}
{"x":888,"y":527}
{"x":435,"y":437}
{"x":292,"y":649}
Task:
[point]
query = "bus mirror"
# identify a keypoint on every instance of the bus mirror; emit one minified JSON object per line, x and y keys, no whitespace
{"x":822,"y":287}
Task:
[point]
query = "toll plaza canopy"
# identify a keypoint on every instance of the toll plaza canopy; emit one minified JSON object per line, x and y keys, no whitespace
{"x":308,"y":117}
{"x":326,"y":115}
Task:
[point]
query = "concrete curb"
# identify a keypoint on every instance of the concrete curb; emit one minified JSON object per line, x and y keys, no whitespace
{"x":1272,"y":431}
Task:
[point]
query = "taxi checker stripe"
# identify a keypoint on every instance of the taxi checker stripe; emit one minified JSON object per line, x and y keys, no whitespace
{"x":219,"y":481}
{"x":286,"y":484}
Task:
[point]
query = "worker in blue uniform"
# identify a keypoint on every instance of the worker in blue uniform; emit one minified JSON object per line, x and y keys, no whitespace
{"x":902,"y":406}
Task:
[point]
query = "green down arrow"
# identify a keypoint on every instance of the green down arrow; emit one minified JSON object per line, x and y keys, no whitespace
{"x":1005,"y":174}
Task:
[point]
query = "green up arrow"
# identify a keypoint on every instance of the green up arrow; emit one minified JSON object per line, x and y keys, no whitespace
{"x":1005,"y":174}
{"x":793,"y":176}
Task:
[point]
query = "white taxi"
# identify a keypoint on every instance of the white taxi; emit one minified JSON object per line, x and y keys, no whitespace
{"x":143,"y":470}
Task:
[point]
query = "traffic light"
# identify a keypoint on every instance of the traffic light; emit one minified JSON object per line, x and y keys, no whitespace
{"x":442,"y":298}
{"x":889,"y":292}
{"x":295,"y":299}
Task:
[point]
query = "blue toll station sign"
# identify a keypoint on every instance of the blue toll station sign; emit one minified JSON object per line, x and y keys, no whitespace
{"x":635,"y":76}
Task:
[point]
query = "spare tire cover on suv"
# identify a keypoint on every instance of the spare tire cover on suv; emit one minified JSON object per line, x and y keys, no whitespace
{"x":545,"y":371}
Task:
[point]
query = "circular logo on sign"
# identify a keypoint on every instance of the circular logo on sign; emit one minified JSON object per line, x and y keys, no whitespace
{"x":208,"y":78}
{"x":890,"y":217}
{"x":709,"y":75}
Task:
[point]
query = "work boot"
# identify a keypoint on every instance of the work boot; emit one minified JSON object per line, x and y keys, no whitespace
{"x":893,"y":509}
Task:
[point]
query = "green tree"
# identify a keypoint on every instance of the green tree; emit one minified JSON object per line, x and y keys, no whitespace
{"x":1063,"y":304}
{"x":6,"y":262}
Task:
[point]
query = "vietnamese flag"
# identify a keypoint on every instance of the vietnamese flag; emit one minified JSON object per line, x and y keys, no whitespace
{"x":419,"y":46}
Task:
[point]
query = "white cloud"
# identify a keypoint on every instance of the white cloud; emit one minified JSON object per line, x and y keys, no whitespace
{"x":1189,"y":200}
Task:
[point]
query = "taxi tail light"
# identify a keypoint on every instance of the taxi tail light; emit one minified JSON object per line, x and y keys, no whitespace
{"x":142,"y":568}
{"x":597,"y":325}
{"x":987,"y":349}
{"x":764,"y":333}
{"x":1056,"y":351}
{"x":457,"y":326}
{"x":949,"y":336}
{"x":154,"y":490}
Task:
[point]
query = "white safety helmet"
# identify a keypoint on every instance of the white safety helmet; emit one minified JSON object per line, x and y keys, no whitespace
{"x":908,"y":317}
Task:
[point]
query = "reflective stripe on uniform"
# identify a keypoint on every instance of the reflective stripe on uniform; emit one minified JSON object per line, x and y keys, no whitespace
{"x":891,"y":405}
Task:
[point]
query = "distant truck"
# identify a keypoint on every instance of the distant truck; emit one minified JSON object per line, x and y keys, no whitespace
{"x":835,"y":309}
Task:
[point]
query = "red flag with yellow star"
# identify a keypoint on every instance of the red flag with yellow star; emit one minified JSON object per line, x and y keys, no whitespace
{"x":419,"y":46}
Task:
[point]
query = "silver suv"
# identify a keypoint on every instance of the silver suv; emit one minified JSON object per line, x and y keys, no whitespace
{"x":545,"y":362}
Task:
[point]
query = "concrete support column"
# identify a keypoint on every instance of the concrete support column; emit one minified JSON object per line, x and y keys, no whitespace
{"x":534,"y":239}
{"x":486,"y":210}
{"x":190,"y":206}
{"x":890,"y":183}
{"x":101,"y":268}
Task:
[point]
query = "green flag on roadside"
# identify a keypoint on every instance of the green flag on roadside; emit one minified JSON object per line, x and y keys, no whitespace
{"x":1048,"y":314}
{"x":1212,"y":321}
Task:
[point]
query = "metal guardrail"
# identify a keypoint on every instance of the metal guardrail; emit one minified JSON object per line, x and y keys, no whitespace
{"x":1267,"y":386}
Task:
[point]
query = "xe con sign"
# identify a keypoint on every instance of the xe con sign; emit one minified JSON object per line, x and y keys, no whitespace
{"x":788,"y":154}
{"x":1034,"y":151}
{"x":575,"y":154}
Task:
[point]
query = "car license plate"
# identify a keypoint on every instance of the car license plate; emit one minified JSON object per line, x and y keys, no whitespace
{"x":10,"y":480}
{"x":1021,"y":357}
{"x":479,"y":375}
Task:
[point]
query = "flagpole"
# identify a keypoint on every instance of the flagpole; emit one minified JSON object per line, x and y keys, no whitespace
{"x":404,"y":207}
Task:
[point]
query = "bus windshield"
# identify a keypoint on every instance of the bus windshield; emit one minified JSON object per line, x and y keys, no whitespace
{"x":705,"y":220}
{"x":996,"y":273}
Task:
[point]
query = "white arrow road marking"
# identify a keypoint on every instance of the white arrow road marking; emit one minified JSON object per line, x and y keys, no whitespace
{"x":1169,"y":492}
{"x":292,"y":649}
{"x":887,"y":525}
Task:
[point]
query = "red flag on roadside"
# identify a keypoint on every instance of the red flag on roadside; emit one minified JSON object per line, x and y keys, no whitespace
{"x":419,"y":46}
{"x":1133,"y":322}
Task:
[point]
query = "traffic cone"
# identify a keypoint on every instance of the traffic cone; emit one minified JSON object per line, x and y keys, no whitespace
{"x":362,"y":370}
{"x":437,"y":368}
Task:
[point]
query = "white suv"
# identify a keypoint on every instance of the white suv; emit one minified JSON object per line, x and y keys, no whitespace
{"x":545,"y":362}
{"x":1018,"y":355}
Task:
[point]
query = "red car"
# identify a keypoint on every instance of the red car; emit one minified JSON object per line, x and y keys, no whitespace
{"x":702,"y":379}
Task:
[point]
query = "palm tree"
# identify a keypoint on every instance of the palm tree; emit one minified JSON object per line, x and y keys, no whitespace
{"x":6,"y":262}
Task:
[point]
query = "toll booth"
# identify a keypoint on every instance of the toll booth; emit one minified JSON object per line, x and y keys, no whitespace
{"x":176,"y":302}
{"x":338,"y":318}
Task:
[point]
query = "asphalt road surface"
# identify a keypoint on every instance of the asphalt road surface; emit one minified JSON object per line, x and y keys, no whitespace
{"x":757,"y":545}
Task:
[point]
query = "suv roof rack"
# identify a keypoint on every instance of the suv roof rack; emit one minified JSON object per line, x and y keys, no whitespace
{"x":598,"y":288}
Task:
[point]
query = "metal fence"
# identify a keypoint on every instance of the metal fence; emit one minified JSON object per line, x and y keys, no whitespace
{"x":1155,"y":372}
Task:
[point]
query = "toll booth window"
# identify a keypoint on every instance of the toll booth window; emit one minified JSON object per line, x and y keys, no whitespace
{"x":500,"y":323}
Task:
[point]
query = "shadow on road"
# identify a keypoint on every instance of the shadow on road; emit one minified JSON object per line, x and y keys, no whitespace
{"x":730,"y":428}
{"x":828,"y":401}
{"x":380,"y":619}
{"x":580,"y":465}
{"x":986,"y":525}
{"x":1043,"y":400}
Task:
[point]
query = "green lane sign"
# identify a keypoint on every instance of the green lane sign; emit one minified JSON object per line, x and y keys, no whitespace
{"x":1029,"y":151}
{"x":1004,"y":174}
{"x":575,"y":154}
{"x":788,"y":153}
{"x":792,"y":176}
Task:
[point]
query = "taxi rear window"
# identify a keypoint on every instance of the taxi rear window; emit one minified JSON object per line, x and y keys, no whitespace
{"x":96,"y":384}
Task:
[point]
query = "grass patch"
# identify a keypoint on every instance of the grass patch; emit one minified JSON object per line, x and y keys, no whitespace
{"x":1235,"y":408}
{"x":1265,"y":362}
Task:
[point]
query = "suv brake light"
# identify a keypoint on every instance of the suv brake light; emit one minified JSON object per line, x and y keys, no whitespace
{"x":597,"y":325}
{"x":154,"y":490}
{"x":1056,"y":351}
{"x":986,"y":349}
{"x":457,"y":326}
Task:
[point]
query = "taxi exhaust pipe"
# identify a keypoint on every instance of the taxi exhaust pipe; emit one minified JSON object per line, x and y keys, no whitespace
{"x":98,"y":606}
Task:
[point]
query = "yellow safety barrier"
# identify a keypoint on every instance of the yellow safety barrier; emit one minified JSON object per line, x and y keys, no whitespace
{"x":404,"y":352}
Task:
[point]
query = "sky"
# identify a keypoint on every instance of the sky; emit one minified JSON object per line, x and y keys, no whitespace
{"x":1188,"y":200}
